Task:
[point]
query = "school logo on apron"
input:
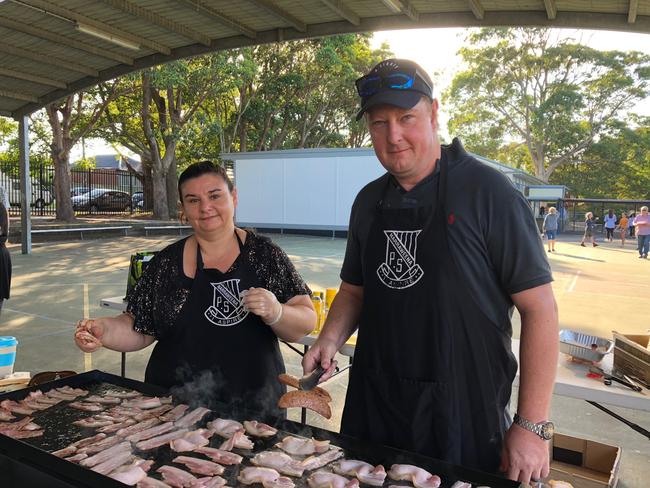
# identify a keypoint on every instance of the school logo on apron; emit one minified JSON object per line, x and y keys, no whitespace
{"x":400,"y":269}
{"x":227,"y":308}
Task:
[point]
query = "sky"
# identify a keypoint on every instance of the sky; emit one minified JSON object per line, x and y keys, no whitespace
{"x":435,"y":50}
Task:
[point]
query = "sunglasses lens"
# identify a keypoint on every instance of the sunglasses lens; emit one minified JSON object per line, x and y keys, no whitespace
{"x":368,"y":85}
{"x":399,"y":81}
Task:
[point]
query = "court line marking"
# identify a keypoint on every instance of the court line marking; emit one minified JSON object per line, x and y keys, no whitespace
{"x":572,"y":285}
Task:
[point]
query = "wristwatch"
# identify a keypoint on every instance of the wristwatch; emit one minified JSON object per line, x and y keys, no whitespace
{"x":543,"y":429}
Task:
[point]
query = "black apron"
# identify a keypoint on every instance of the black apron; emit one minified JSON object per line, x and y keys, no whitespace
{"x":432,"y":374}
{"x":217,"y":350}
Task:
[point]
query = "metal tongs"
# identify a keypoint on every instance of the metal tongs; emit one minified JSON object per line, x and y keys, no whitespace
{"x":310,"y":380}
{"x":609,"y":377}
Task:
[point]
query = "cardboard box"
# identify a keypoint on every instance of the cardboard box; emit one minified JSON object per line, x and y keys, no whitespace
{"x":584,"y":463}
{"x":631,"y":355}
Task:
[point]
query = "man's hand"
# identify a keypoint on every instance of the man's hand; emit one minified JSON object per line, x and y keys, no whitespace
{"x":524,"y":456}
{"x":322,"y":352}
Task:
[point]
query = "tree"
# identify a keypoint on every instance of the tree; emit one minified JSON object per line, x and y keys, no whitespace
{"x":617,"y":166}
{"x":553,"y":96}
{"x":70,"y":119}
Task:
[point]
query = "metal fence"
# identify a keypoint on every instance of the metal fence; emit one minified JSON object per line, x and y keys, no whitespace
{"x":93,"y":191}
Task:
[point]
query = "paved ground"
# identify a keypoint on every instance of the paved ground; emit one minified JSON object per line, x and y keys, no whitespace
{"x":598,"y":289}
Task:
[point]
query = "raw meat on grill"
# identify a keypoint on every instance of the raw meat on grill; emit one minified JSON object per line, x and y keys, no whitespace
{"x":239,"y":440}
{"x":107,"y":454}
{"x":109,"y":429}
{"x":16,"y":407}
{"x":86,"y":441}
{"x":139,"y":427}
{"x":129,"y":475}
{"x":160,"y":440}
{"x":214,"y":482}
{"x":77,"y":457}
{"x":326,"y":479}
{"x":268,"y":477}
{"x":152,"y":483}
{"x":259,"y":429}
{"x":113,"y":463}
{"x":87,"y":407}
{"x":302,"y":446}
{"x":176,"y":477}
{"x":65,"y":452}
{"x":191,"y":440}
{"x":318,"y":461}
{"x":200,"y":466}
{"x":193,"y":417}
{"x":418,"y":476}
{"x":144,"y":403}
{"x":92,"y":422}
{"x":153,"y":412}
{"x":5,"y":415}
{"x":103,"y":399}
{"x":225,"y":427}
{"x":123,"y":393}
{"x":281,"y":462}
{"x":151,"y":432}
{"x":364,"y":472}
{"x":220,"y":456}
{"x":175,"y":413}
{"x":100,"y":445}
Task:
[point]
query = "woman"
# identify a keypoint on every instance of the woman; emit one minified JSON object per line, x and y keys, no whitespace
{"x":590,"y":230}
{"x":215,"y":302}
{"x":550,"y":227}
{"x":642,"y":231}
{"x":610,"y":224}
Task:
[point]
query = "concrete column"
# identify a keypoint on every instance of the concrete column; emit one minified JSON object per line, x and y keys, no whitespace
{"x":25,"y":186}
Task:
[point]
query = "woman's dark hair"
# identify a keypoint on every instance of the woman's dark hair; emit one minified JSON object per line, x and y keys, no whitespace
{"x":203,"y":168}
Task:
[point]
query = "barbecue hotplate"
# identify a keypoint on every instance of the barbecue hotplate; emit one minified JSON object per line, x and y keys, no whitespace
{"x":28,"y":463}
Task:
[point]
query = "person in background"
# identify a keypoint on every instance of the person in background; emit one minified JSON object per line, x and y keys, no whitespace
{"x":542,"y":211}
{"x":610,"y":224}
{"x":550,"y":227}
{"x":5,"y":255}
{"x":622,"y":227}
{"x":642,"y":231}
{"x":439,"y":251}
{"x":630,"y":222}
{"x":215,"y":303}
{"x":590,"y":230}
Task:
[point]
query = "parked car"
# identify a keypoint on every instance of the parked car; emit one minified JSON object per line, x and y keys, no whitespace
{"x":79,"y":190}
{"x":41,"y":195}
{"x":102,"y":199}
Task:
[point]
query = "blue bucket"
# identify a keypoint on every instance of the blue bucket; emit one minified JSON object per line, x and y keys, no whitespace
{"x":7,"y":355}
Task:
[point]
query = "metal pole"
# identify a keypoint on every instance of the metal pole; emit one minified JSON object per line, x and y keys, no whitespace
{"x":25,"y":186}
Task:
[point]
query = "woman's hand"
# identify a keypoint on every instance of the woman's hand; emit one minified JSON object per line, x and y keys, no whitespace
{"x":88,"y":334}
{"x":262,"y":302}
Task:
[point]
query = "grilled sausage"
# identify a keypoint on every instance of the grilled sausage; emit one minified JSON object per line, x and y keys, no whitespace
{"x":306,"y":399}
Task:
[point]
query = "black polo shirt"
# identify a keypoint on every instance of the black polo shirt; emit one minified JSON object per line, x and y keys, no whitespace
{"x":493,"y":237}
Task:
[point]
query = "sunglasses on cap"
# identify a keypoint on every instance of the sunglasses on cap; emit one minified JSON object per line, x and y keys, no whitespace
{"x":373,"y":83}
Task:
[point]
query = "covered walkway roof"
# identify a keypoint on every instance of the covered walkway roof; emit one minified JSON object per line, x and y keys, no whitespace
{"x":52,"y":48}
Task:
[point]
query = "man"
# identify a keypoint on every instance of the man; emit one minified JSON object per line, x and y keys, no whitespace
{"x":439,"y":250}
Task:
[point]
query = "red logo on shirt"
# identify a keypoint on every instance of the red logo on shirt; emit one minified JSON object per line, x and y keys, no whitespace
{"x":451,"y":219}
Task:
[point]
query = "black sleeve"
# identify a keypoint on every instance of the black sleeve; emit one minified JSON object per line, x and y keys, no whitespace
{"x":513,"y":243}
{"x":159,"y":294}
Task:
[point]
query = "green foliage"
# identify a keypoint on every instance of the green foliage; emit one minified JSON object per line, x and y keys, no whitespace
{"x":87,"y":163}
{"x":554,"y":97}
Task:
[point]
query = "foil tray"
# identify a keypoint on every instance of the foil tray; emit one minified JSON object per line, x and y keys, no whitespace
{"x":584,"y":346}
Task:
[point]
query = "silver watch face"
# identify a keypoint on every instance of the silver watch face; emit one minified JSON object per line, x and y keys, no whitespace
{"x":547,"y":430}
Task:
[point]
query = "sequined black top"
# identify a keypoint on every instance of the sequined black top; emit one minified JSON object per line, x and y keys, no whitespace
{"x":158,"y":297}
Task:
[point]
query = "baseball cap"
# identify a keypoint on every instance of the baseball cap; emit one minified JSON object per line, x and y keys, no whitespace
{"x":399,"y":82}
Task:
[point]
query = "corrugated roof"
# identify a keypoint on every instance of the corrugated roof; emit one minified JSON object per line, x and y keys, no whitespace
{"x":47,"y":51}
